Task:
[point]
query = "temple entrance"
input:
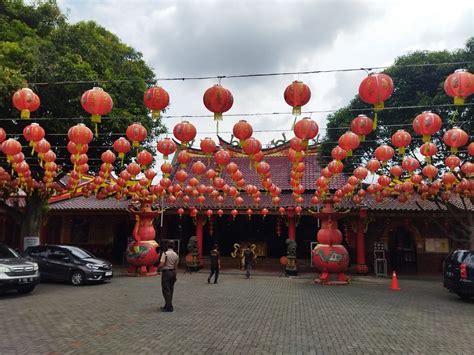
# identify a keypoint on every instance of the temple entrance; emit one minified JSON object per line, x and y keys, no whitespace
{"x":402,"y":250}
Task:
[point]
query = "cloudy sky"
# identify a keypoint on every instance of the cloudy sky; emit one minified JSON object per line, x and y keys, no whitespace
{"x":200,"y":38}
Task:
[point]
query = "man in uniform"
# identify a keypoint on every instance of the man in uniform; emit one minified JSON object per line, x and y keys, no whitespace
{"x":168,"y":264}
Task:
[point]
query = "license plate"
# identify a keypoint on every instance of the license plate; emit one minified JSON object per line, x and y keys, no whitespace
{"x":25,"y":280}
{"x":108,"y":273}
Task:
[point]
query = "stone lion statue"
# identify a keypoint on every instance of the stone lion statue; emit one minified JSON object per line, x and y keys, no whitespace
{"x":291,"y":248}
{"x":193,"y":245}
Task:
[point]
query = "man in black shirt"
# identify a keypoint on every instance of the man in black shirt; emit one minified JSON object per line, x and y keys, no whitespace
{"x":249,"y":255}
{"x":215,"y":263}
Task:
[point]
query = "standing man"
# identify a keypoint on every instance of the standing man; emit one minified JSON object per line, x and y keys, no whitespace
{"x":215,"y":263}
{"x":249,"y":255}
{"x":168,"y":264}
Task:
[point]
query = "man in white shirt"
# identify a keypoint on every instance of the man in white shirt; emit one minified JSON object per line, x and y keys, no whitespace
{"x":168,"y":264}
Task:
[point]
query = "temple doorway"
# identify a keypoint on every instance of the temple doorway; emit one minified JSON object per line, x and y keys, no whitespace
{"x":402,"y":250}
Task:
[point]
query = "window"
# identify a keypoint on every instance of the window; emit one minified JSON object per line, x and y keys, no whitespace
{"x":6,"y":252}
{"x":470,"y":260}
{"x":58,"y":254}
{"x":80,"y":231}
{"x":37,"y":252}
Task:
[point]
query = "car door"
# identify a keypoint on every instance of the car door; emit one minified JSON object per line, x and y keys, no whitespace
{"x":59,"y":262}
{"x":39,"y":254}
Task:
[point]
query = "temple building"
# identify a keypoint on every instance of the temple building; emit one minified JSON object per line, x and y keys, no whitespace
{"x":401,"y":236}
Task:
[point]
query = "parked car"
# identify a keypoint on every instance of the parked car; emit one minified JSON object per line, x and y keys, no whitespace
{"x":16,"y":272}
{"x":69,"y":263}
{"x":458,"y":271}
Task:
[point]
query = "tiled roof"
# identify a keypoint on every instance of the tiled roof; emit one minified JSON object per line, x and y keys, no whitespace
{"x":81,"y":203}
{"x":280,"y":169}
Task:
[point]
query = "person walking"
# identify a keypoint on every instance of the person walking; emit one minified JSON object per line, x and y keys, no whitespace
{"x":249,"y":255}
{"x":215,"y":257}
{"x":168,"y":264}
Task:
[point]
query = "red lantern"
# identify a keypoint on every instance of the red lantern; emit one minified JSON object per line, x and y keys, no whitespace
{"x":455,"y":138}
{"x":209,"y":213}
{"x":297,"y":94}
{"x":133,"y":169}
{"x":396,"y":170}
{"x":144,"y":158}
{"x":80,"y":134}
{"x":470,"y":148}
{"x":306,"y":129}
{"x":360,"y":173}
{"x":156,"y":99}
{"x":198,"y":168}
{"x":222,"y":158}
{"x":183,"y":158}
{"x":107,"y":157}
{"x":452,"y":162}
{"x":375,"y":89}
{"x":251,"y":146}
{"x":468,"y":169}
{"x":166,"y":147}
{"x":249,"y":213}
{"x":410,"y":164}
{"x":98,"y":103}
{"x":3,"y":135}
{"x":429,"y":171}
{"x":427,"y":124}
{"x":122,"y":147}
{"x":448,"y":179}
{"x":335,"y":166}
{"x":263,"y":168}
{"x":218,"y":99}
{"x":234,"y":213}
{"x":208,"y":146}
{"x":26,"y":101}
{"x":401,"y":139}
{"x":297,"y":144}
{"x":428,"y":149}
{"x":338,"y":153}
{"x":136,"y":133}
{"x":181,"y":175}
{"x":33,"y":133}
{"x":373,"y":165}
{"x":384,"y":153}
{"x":242,"y":130}
{"x":166,"y":168}
{"x":185,"y":132}
{"x":50,"y":156}
{"x":294,"y":156}
{"x":180,"y":212}
{"x":362,"y":126}
{"x":349,"y":141}
{"x":211,"y":174}
{"x":459,"y":85}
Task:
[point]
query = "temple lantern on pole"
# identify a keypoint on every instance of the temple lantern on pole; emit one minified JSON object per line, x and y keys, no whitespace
{"x":136,"y":133}
{"x":297,"y":94}
{"x":156,"y":99}
{"x":349,"y":141}
{"x":455,"y":138}
{"x":122,"y":147}
{"x":185,"y":132}
{"x":459,"y":86}
{"x":401,"y":139}
{"x":362,"y":126}
{"x":25,"y":101}
{"x":428,"y":149}
{"x":242,"y":130}
{"x":384,"y":153}
{"x":166,"y":147}
{"x":427,"y":124}
{"x":97,"y":102}
{"x":218,"y":99}
{"x":306,"y":129}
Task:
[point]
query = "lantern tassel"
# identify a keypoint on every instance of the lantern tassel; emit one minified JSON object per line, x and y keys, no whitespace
{"x":375,"y":120}
{"x":25,"y":114}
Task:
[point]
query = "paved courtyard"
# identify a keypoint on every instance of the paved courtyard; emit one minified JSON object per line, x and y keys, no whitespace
{"x":265,"y":314}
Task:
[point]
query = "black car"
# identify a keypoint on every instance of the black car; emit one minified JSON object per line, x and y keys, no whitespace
{"x":458,"y":271}
{"x":69,"y":263}
{"x":17,"y":273}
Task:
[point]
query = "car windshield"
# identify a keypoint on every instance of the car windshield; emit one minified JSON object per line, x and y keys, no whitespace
{"x":78,"y":252}
{"x":6,"y":253}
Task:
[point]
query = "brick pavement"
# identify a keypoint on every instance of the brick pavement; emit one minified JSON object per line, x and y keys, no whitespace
{"x":265,"y":314}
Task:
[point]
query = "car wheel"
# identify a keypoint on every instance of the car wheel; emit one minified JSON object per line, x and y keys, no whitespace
{"x":464,"y":296}
{"x":77,"y":278}
{"x":24,"y":289}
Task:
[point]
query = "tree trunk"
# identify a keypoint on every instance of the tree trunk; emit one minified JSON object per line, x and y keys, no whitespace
{"x":30,"y":221}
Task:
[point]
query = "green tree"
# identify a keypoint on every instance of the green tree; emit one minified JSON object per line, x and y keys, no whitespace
{"x":414,"y":86}
{"x":38,"y":45}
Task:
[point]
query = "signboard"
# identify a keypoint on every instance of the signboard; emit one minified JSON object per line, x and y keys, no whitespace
{"x":30,"y":242}
{"x":436,"y":245}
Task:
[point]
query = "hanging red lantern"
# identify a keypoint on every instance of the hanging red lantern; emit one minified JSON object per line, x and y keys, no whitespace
{"x":156,"y":99}
{"x":180,"y":212}
{"x":136,"y":133}
{"x":181,"y":175}
{"x":375,"y":89}
{"x":144,"y":158}
{"x":349,"y":141}
{"x":122,"y":147}
{"x":263,"y":168}
{"x":429,"y":171}
{"x":373,"y":165}
{"x":249,"y":213}
{"x":459,"y":85}
{"x":338,"y":153}
{"x":33,"y":133}
{"x":362,"y":126}
{"x":166,"y":168}
{"x":335,"y":166}
{"x":184,"y":158}
{"x":360,"y":172}
{"x":25,"y":101}
{"x":218,"y":99}
{"x":428,"y":149}
{"x":306,"y":129}
{"x":384,"y":153}
{"x":410,"y":164}
{"x":427,"y":124}
{"x":234,"y":213}
{"x":222,"y":158}
{"x":468,"y":169}
{"x":50,"y":156}
{"x":251,"y":146}
{"x":455,"y":138}
{"x":401,"y":139}
{"x":97,"y":102}
{"x":242,"y":130}
{"x":208,"y":146}
{"x":448,"y":179}
{"x":297,"y":94}
{"x":209,"y":214}
{"x":452,"y":162}
{"x":166,"y":147}
{"x":107,"y":157}
{"x":396,"y":170}
{"x":80,"y":134}
{"x":297,"y":144}
{"x":294,"y":156}
{"x":211,"y":174}
{"x":198,"y":168}
{"x":352,"y":180}
{"x":3,"y":135}
{"x":185,"y":132}
{"x":133,"y":169}
{"x":470,"y":149}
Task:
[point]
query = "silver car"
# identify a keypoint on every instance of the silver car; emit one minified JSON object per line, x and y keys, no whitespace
{"x":17,"y":273}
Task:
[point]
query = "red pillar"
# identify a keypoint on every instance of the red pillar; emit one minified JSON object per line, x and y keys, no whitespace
{"x":291,"y":228}
{"x":361,"y":267}
{"x":199,"y":220}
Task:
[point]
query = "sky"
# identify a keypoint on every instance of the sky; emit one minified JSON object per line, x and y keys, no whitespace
{"x":210,"y":38}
